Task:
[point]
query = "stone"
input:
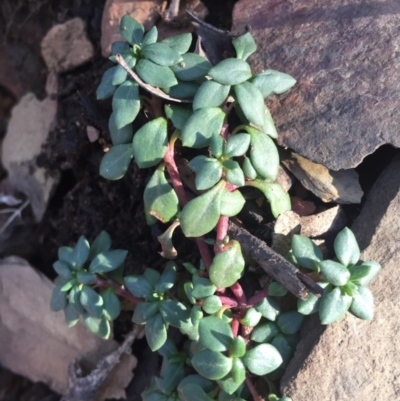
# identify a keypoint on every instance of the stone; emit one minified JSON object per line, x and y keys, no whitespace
{"x":330,"y":186}
{"x":37,"y":343}
{"x":345,"y":57}
{"x":356,"y":360}
{"x":302,"y":207}
{"x":66,"y":46}
{"x":30,"y":123}
{"x":147,"y":12}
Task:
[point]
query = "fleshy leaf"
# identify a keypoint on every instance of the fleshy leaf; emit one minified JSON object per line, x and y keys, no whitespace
{"x":311,"y":303}
{"x":244,"y":46}
{"x":346,"y":247}
{"x":62,"y":269}
{"x":334,"y":272}
{"x":74,"y":300}
{"x":58,"y":299}
{"x":121,"y":135}
{"x":192,"y":392}
{"x":201,"y":126}
{"x":177,"y":114}
{"x":231,"y":71}
{"x":112,"y":307}
{"x":107,"y":261}
{"x":144,"y":311}
{"x":306,"y":252}
{"x":211,"y":364}
{"x":126,"y":104}
{"x":167,"y":278}
{"x":229,"y":385}
{"x":333,"y":306}
{"x":212,"y":304}
{"x":269,"y":125}
{"x":290,"y":322}
{"x":116,"y":161}
{"x":251,"y":102}
{"x":180,"y":43}
{"x":231,"y":202}
{"x":252,"y":317}
{"x":271,"y":81}
{"x":155,"y":75}
{"x":238,"y":346}
{"x":363,"y":304}
{"x":264,"y":333}
{"x":101,"y":243}
{"x":248,"y":169}
{"x":81,"y":251}
{"x":233,"y":172}
{"x":238,"y":371}
{"x":85,"y":277}
{"x":192,"y":68}
{"x":210,"y":94}
{"x":209,"y":174}
{"x":65,"y":254}
{"x":150,"y":37}
{"x":182,"y":90}
{"x":131,"y":30}
{"x":156,"y":332}
{"x":202,"y":287}
{"x":106,"y":87}
{"x":227,"y":266}
{"x":262,"y":359}
{"x":139,"y":286}
{"x":155,"y":133}
{"x":276,"y":289}
{"x":175,"y":313}
{"x":237,"y":145}
{"x":160,"y":200}
{"x":71,"y":315}
{"x":215,"y":333}
{"x":161,"y":54}
{"x":92,"y":302}
{"x":269,"y":308}
{"x":364,"y":273}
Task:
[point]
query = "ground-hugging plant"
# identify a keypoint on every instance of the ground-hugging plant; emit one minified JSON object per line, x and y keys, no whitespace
{"x":230,"y":338}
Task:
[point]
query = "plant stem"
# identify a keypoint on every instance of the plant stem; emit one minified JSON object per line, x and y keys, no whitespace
{"x":222,"y":231}
{"x":119,"y":289}
{"x":227,"y":301}
{"x":255,"y":299}
{"x":235,"y":326}
{"x":239,"y":293}
{"x":253,"y":390}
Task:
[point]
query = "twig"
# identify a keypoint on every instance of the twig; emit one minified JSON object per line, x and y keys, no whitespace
{"x":253,"y":390}
{"x":155,"y":91}
{"x":15,"y":213}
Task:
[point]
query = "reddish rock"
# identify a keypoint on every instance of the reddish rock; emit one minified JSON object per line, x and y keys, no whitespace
{"x":303,"y":207}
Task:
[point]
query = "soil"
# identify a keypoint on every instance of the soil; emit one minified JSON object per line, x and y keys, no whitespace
{"x":84,"y":203}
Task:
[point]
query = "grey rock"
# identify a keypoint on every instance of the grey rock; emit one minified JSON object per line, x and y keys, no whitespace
{"x":353,"y":359}
{"x":344,"y":55}
{"x":66,"y":46}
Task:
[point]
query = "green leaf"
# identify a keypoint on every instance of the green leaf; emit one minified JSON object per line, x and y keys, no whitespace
{"x":311,"y":303}
{"x":201,"y":215}
{"x":262,"y":359}
{"x":237,"y":145}
{"x":211,"y":364}
{"x":106,"y":87}
{"x":198,"y":380}
{"x":363,"y":304}
{"x":131,"y":30}
{"x":126,"y":103}
{"x":252,"y":317}
{"x":100,"y":327}
{"x":283,"y":347}
{"x":172,"y":373}
{"x":215,"y":333}
{"x":217,"y":145}
{"x":152,"y":276}
{"x":264,"y":155}
{"x":346,"y":247}
{"x":58,"y":299}
{"x":306,"y":252}
{"x":182,"y":90}
{"x":233,"y":173}
{"x":174,"y":313}
{"x":121,"y":135}
{"x":167,"y":279}
{"x":209,"y":174}
{"x":102,"y":243}
{"x":62,"y":269}
{"x":153,"y":394}
{"x":81,"y":251}
{"x":139,"y":286}
{"x":278,"y":199}
{"x":248,"y":169}
{"x":201,"y":126}
{"x":112,"y":306}
{"x":212,"y":304}
{"x":290,"y":322}
{"x":251,"y":102}
{"x":271,"y":81}
{"x":116,"y":161}
{"x":120,"y":76}
{"x":155,"y":133}
{"x":156,"y":332}
{"x":192,"y":68}
{"x":227,"y":266}
{"x":364,"y":273}
{"x":74,"y":299}
{"x":333,"y":306}
{"x":238,"y":371}
{"x":264,"y":333}
{"x":193,"y":392}
{"x":244,"y":46}
{"x":180,"y":43}
{"x":269,"y":125}
{"x":202,"y":287}
{"x":161,"y":54}
{"x":231,"y":202}
{"x":65,"y":254}
{"x":231,"y":71}
{"x":155,"y":75}
{"x":85,"y":277}
{"x":269,"y":308}
{"x":210,"y":94}
{"x":120,"y":48}
{"x":71,"y":315}
{"x":229,"y":385}
{"x":108,"y":261}
{"x":334,"y":272}
{"x":144,"y":311}
{"x":160,"y":200}
{"x":150,"y":37}
{"x":177,"y":114}
{"x":276,"y":289}
{"x":238,"y":347}
{"x":92,"y":301}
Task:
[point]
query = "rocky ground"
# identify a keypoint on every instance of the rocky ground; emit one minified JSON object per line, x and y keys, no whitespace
{"x":340,"y":164}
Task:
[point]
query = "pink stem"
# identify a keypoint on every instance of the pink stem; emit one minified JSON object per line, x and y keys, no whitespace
{"x":222,"y":231}
{"x":239,"y":293}
{"x":235,"y":327}
{"x":119,"y":289}
{"x":227,"y":301}
{"x":253,"y":390}
{"x":255,"y":299}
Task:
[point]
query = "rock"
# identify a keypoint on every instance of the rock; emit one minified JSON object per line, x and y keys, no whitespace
{"x":36,"y":342}
{"x":345,"y":58}
{"x":354,"y":359}
{"x":330,"y":186}
{"x":284,"y":178}
{"x":302,"y":207}
{"x":286,"y":225}
{"x":145,"y":11}
{"x":30,"y":123}
{"x":66,"y":46}
{"x":92,"y":133}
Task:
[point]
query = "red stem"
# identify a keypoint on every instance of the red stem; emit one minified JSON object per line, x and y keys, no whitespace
{"x":235,"y":326}
{"x":253,"y":390}
{"x":255,"y":299}
{"x":227,"y":301}
{"x":222,"y":231}
{"x":118,"y":288}
{"x":239,"y":293}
